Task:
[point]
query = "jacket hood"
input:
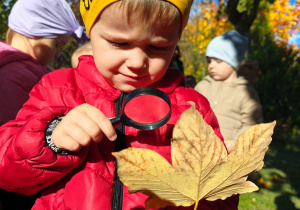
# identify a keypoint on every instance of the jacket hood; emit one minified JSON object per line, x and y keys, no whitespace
{"x":239,"y":81}
{"x":10,"y":54}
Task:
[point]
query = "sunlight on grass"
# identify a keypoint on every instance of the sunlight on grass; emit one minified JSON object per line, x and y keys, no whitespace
{"x":278,"y":181}
{"x":263,"y":199}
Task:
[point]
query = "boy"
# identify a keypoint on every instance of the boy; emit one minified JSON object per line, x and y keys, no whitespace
{"x":133,"y":42}
{"x":233,"y":99}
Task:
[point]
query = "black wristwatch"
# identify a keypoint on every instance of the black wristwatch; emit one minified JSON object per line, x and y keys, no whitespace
{"x":48,"y":137}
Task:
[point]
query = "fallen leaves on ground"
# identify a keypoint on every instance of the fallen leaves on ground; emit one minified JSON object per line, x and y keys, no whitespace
{"x":201,"y":168}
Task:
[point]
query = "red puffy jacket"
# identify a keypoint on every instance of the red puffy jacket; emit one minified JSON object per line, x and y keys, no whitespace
{"x":85,"y":180}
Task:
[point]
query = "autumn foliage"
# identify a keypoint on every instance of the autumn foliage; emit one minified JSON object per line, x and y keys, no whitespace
{"x":207,"y":20}
{"x":278,"y":19}
{"x":284,"y":19}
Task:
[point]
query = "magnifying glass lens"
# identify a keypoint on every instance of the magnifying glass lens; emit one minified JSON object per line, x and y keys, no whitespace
{"x":146,"y":109}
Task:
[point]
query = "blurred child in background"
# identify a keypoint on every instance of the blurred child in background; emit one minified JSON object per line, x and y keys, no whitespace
{"x":85,"y":49}
{"x":250,"y":70}
{"x":190,"y":81}
{"x":176,"y":60}
{"x":32,"y":43}
{"x":233,"y":99}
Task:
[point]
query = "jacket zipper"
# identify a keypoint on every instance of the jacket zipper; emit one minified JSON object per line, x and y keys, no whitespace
{"x":117,"y":201}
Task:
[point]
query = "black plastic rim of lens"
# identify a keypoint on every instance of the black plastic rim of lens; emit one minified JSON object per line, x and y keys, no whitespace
{"x":147,"y":91}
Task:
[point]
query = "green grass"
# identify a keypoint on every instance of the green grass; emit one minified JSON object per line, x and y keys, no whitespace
{"x":278,"y":180}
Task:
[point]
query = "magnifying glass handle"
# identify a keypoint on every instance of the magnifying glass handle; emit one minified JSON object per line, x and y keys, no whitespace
{"x":115,"y":120}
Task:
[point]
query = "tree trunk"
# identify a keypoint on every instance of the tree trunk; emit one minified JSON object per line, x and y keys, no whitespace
{"x":242,"y":21}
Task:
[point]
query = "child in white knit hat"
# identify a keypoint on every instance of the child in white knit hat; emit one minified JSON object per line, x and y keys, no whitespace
{"x":233,"y":99}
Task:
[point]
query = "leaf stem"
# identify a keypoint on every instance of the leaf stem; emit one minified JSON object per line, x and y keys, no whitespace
{"x":196,"y":205}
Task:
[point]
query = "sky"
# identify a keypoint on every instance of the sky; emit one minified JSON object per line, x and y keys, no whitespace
{"x":295,"y":39}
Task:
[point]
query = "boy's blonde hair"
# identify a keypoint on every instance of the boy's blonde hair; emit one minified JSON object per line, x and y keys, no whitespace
{"x":148,"y":12}
{"x":144,"y":10}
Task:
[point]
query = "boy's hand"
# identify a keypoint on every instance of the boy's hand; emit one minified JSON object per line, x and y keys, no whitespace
{"x":83,"y":124}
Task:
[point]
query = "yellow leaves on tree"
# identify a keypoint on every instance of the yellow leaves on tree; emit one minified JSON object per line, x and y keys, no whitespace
{"x":201,"y":168}
{"x":205,"y":25}
{"x":284,"y":19}
{"x":206,"y":22}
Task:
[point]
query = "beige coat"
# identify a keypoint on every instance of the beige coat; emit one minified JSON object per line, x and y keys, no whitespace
{"x":236,"y":104}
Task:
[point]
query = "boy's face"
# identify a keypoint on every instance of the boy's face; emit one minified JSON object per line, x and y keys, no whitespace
{"x":220,"y":70}
{"x":132,"y":55}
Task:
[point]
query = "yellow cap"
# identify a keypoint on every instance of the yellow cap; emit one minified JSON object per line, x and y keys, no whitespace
{"x":91,"y":9}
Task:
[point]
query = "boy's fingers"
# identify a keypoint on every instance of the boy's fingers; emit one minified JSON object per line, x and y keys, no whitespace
{"x":105,"y":125}
{"x":89,"y":126}
{"x":79,"y":135}
{"x":71,"y":145}
{"x":101,"y":120}
{"x":67,"y":143}
{"x":71,"y":136}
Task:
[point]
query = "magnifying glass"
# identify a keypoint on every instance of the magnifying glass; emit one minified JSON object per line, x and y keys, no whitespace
{"x":145,"y":108}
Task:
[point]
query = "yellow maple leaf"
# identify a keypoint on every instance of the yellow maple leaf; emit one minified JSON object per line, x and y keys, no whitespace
{"x":201,"y":168}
